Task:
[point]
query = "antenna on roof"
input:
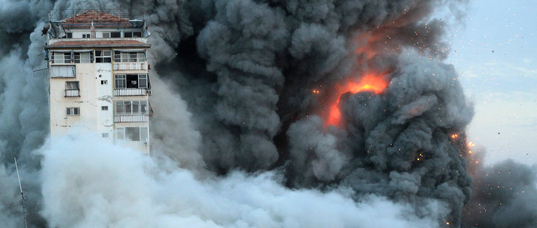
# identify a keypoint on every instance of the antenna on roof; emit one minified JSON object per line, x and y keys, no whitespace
{"x":22,"y":194}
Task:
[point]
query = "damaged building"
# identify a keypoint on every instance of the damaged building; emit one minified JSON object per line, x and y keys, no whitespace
{"x":99,"y":77}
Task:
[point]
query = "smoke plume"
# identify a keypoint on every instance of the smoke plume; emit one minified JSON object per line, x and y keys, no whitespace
{"x":242,"y":95}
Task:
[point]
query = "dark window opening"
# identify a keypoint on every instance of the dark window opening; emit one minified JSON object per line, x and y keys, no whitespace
{"x":132,"y":81}
{"x":115,"y":34}
{"x":103,"y":56}
{"x":132,"y":34}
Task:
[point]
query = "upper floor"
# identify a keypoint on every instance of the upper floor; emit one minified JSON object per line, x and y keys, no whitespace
{"x":94,"y":24}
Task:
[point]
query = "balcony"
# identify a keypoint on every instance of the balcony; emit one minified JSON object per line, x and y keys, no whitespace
{"x":130,"y":118}
{"x":131,"y":92}
{"x":130,"y":66}
{"x":72,"y":93}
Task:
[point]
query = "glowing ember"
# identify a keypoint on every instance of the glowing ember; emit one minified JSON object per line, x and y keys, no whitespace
{"x":454,"y":136}
{"x":368,"y":83}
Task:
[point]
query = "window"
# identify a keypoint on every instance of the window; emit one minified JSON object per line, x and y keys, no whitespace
{"x":115,"y":34}
{"x":120,"y":81}
{"x":104,"y":82}
{"x":104,"y":108}
{"x":62,"y":71}
{"x":84,"y":57}
{"x":126,"y":57}
{"x":87,"y":35}
{"x":103,"y":56}
{"x":142,"y":80}
{"x":69,"y":34}
{"x":73,"y":111}
{"x":123,"y":81}
{"x":61,"y":57}
{"x":132,"y":34}
{"x":72,"y":89}
{"x":131,"y":107}
{"x":105,"y":135}
{"x":133,"y":133}
{"x":71,"y":85}
{"x":106,"y":34}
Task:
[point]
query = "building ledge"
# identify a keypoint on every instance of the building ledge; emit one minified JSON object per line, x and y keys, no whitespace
{"x":88,"y":43}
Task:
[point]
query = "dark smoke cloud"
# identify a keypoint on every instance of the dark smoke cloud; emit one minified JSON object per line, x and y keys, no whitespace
{"x":233,"y":89}
{"x":505,"y":195}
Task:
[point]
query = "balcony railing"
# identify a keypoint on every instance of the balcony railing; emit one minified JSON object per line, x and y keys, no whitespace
{"x":130,"y":118}
{"x":131,"y":92}
{"x":130,"y":66}
{"x":72,"y":93}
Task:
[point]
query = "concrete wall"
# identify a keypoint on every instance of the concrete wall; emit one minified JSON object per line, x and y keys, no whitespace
{"x":104,"y":97}
{"x":60,"y":122}
{"x":94,"y":94}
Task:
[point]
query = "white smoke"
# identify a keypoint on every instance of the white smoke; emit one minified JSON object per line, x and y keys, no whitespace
{"x":88,"y":182}
{"x":244,"y":82}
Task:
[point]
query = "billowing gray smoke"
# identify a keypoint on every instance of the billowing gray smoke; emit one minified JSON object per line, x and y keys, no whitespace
{"x":233,"y":95}
{"x":504,"y":195}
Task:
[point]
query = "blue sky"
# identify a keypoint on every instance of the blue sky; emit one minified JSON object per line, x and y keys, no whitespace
{"x":494,"y":49}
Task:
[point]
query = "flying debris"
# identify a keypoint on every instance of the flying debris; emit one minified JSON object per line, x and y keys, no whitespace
{"x":245,"y":136}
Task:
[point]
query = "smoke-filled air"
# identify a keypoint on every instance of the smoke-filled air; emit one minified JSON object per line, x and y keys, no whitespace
{"x":267,"y":113}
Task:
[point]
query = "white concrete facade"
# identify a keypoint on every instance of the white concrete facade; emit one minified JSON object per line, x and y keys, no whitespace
{"x":101,"y":85}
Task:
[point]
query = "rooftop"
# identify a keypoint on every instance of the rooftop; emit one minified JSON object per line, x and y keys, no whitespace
{"x":98,"y":18}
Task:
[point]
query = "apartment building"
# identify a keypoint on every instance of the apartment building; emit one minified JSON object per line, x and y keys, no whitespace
{"x":99,"y":77}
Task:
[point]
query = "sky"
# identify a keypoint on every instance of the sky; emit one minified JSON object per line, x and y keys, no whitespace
{"x":494,"y":51}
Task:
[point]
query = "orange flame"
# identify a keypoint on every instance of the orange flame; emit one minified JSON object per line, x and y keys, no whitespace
{"x":371,"y":83}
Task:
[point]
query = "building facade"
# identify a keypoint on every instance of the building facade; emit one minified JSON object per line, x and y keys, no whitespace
{"x":99,"y":77}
